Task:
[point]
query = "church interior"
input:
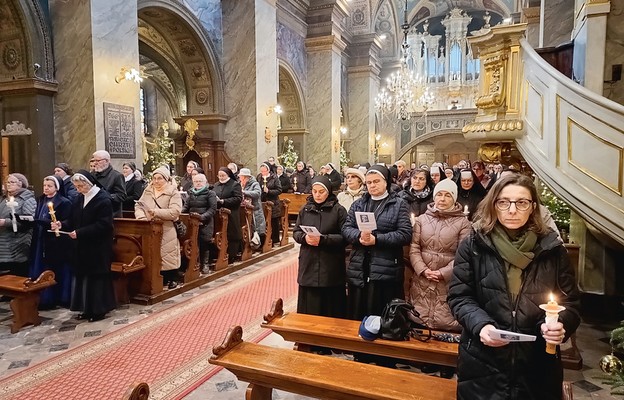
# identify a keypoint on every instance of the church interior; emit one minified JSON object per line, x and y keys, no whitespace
{"x":534,"y":85}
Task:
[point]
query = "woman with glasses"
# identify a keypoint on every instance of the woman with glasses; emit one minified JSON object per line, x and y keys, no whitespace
{"x":509,"y":265}
{"x":15,"y":232}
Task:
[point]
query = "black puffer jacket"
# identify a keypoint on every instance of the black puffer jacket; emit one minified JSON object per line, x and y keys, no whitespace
{"x":203,"y":203}
{"x":304,"y":181}
{"x":274,"y":190}
{"x":417,"y":205}
{"x":384,"y":260}
{"x":322,"y":265}
{"x":478,"y":296}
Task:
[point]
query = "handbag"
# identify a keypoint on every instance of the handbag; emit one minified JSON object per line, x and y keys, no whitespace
{"x":177,"y":224}
{"x":399,"y":321}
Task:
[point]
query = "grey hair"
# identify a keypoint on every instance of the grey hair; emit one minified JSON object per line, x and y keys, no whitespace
{"x":77,"y":177}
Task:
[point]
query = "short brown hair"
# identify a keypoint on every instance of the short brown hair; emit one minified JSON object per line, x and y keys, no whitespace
{"x":486,"y":217}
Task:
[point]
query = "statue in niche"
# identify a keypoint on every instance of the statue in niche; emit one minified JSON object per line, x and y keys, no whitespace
{"x":486,"y":18}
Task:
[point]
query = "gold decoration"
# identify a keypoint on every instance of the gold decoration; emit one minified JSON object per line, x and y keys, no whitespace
{"x":610,"y":364}
{"x":500,"y":125}
{"x":267,"y":135}
{"x":190,"y":126}
{"x":494,"y":152}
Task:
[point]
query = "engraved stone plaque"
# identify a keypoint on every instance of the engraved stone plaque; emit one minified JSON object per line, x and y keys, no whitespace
{"x":119,"y":130}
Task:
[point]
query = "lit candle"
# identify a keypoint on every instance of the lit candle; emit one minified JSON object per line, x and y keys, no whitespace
{"x":552,"y":315}
{"x":11,"y":203}
{"x":53,"y":217}
{"x":413,"y":218}
{"x":466,"y":212}
{"x":295,"y":179}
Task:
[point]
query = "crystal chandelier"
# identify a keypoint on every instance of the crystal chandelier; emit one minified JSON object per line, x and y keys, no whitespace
{"x":410,"y":92}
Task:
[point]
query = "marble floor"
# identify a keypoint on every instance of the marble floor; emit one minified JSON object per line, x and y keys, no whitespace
{"x":60,"y":331}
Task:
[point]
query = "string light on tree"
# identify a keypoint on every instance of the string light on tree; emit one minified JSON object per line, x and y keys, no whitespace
{"x":289,"y":156}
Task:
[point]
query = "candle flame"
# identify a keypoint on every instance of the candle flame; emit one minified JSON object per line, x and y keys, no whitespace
{"x":551,"y":298}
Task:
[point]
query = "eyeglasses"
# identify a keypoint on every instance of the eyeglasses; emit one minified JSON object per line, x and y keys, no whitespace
{"x":521,"y":205}
{"x":98,"y":160}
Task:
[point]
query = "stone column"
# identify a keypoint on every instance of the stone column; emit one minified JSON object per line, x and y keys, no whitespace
{"x":93,"y":40}
{"x":531,"y":15}
{"x":557,"y":22}
{"x":363,"y":86}
{"x":590,"y":32}
{"x":251,"y":78}
{"x":323,"y":99}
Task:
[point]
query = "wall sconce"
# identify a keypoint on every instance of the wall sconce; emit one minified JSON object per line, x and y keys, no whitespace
{"x":130,"y":74}
{"x":274,"y":109}
{"x":343,"y":130}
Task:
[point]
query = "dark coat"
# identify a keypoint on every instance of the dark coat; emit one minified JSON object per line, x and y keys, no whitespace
{"x":232,"y":195}
{"x":478,"y":296}
{"x":417,"y":206}
{"x":335,"y":179}
{"x":322,"y":265}
{"x":68,"y":190}
{"x":304,"y":181}
{"x":203,"y":203}
{"x":54,"y":250}
{"x":285,"y":183}
{"x":93,"y":246}
{"x":113,"y":182}
{"x":134,"y":190}
{"x":384,"y":260}
{"x":275,"y":189}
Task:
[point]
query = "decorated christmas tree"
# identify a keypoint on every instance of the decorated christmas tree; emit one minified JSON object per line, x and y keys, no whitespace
{"x":160,"y":151}
{"x":611,"y":364}
{"x":557,"y":207}
{"x":344,"y":160}
{"x":289,"y":157}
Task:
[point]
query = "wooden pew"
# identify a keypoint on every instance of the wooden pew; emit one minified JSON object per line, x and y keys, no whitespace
{"x":266,"y":368}
{"x":284,"y":221}
{"x":313,"y":330}
{"x":127,"y":259}
{"x":189,"y":246}
{"x":267,"y":208}
{"x":147,"y":237}
{"x":297,"y":201}
{"x":25,"y":295}
{"x":220,"y":238}
{"x":137,"y":391}
{"x":246,"y":213}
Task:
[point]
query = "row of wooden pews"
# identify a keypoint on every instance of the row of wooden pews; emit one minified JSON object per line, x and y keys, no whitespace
{"x":299,"y":371}
{"x":137,"y":260}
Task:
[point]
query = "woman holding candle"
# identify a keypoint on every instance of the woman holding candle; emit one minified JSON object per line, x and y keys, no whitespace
{"x":271,"y":189}
{"x":49,"y":250}
{"x":469,"y":195}
{"x":134,"y":186}
{"x":503,"y":271}
{"x":90,"y":225}
{"x":230,"y":195}
{"x":15,"y":233}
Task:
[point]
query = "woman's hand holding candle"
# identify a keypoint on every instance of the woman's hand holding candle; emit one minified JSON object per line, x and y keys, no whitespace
{"x":552,"y":330}
{"x":553,"y":333}
{"x":53,"y":217}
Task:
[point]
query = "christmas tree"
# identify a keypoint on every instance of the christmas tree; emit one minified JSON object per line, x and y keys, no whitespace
{"x":557,"y":207}
{"x":160,"y":151}
{"x":344,"y":160}
{"x":612,"y":365}
{"x":289,"y":157}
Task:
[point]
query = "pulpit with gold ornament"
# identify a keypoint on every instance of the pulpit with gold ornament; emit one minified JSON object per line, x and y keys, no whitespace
{"x":196,"y":143}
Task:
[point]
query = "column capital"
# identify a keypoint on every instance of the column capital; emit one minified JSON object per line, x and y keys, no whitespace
{"x":363,"y":52}
{"x":531,"y":15}
{"x":323,"y":43}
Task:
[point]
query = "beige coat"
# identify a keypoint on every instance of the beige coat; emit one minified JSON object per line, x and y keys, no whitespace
{"x":170,"y":204}
{"x":436,"y":236}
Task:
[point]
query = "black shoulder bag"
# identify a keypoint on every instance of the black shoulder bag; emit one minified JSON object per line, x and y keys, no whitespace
{"x":399,"y":321}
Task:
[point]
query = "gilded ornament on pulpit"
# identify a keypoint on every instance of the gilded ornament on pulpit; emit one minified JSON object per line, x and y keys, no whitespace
{"x":267,"y":135}
{"x":494,"y":152}
{"x":190,"y":126}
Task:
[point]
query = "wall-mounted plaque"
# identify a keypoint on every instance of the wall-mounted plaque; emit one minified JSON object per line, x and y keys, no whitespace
{"x":119,"y":130}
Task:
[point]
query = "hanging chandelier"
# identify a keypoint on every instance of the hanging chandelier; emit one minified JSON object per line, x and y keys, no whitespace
{"x":406,"y":91}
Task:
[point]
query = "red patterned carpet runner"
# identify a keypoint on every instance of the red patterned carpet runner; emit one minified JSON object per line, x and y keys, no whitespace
{"x":169,"y":350}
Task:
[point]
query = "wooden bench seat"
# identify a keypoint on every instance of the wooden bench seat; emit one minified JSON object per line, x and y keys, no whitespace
{"x":313,"y":330}
{"x":137,"y":391}
{"x":295,"y":201}
{"x":266,"y":368}
{"x":25,"y":294}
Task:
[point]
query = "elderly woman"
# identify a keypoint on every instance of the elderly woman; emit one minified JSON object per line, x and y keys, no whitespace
{"x":509,"y":265}
{"x":436,"y":174}
{"x":436,"y":236}
{"x":49,"y":251}
{"x":90,"y":225}
{"x":321,"y":275}
{"x":300,"y":179}
{"x":230,"y":195}
{"x":419,"y":193}
{"x":252,"y":193}
{"x":271,"y":189}
{"x":203,"y":202}
{"x":354,"y":188}
{"x":134,"y":186}
{"x":64,"y":172}
{"x":15,"y":233}
{"x":161,"y":200}
{"x":187,"y":180}
{"x":469,"y":194}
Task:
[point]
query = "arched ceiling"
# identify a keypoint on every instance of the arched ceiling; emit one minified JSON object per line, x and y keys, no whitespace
{"x":178,"y":62}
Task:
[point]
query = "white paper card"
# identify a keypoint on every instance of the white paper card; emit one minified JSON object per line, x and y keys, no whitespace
{"x":511,"y":336}
{"x":26,"y":218}
{"x":310,"y":230}
{"x":365,"y":221}
{"x":62,"y":232}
